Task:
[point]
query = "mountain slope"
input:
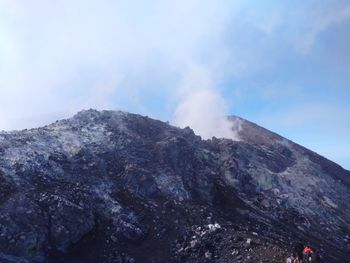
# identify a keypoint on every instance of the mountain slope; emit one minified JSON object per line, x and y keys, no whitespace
{"x":118,"y":187}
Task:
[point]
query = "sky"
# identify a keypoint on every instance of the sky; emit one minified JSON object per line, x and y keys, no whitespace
{"x":284,"y":65}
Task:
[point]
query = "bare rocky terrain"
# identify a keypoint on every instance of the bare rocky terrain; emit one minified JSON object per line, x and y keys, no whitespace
{"x":110,"y":186}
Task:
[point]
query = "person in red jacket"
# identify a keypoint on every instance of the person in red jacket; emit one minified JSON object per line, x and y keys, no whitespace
{"x":307,"y":254}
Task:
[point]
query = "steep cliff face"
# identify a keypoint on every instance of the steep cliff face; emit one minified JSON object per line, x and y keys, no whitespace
{"x":117,"y":187}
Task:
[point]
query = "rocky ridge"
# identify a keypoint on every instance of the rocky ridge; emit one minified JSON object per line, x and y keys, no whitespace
{"x":110,"y":186}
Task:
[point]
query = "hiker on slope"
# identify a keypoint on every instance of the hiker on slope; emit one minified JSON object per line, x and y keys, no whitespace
{"x":307,"y":254}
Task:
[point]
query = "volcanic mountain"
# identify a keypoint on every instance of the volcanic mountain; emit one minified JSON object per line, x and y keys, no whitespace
{"x":110,"y":186}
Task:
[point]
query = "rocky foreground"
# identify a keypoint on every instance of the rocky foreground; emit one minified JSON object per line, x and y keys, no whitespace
{"x":117,"y":187}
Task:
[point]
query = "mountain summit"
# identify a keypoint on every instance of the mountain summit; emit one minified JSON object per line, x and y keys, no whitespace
{"x":110,"y":186}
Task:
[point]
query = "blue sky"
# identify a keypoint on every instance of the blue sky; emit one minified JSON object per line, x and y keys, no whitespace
{"x":284,"y":65}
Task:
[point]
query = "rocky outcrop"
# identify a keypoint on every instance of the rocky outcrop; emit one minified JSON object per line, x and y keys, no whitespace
{"x":117,"y":187}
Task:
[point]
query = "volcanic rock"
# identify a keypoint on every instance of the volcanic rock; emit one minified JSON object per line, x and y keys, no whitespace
{"x":110,"y":186}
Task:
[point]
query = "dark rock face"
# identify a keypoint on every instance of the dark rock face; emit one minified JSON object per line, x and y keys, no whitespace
{"x":118,"y":187}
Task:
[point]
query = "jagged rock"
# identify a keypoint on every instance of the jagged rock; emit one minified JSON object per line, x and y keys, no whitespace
{"x":208,"y":255}
{"x":109,"y":186}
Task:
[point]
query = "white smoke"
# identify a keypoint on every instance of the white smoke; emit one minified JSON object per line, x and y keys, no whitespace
{"x":201,"y":106}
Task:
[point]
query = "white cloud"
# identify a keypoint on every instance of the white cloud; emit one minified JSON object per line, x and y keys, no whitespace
{"x":58,"y":56}
{"x":320,"y":22}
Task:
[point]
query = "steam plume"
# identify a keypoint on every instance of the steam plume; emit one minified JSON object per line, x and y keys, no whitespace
{"x":202,"y":107}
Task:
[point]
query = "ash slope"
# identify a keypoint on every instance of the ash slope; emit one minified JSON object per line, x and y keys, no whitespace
{"x":117,"y":187}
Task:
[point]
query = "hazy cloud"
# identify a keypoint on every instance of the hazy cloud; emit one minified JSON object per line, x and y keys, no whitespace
{"x":57,"y":57}
{"x":321,"y":21}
